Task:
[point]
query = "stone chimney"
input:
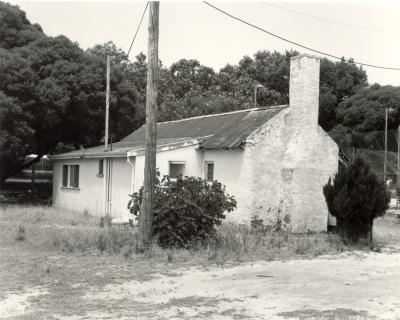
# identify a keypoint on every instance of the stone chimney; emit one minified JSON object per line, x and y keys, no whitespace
{"x":304,"y":90}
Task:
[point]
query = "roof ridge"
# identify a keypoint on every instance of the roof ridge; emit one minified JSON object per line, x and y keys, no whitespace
{"x":225,"y":113}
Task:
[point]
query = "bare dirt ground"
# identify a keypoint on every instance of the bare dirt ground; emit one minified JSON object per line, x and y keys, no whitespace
{"x":35,"y":284}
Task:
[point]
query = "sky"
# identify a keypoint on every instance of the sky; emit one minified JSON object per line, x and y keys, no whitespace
{"x":368,"y":31}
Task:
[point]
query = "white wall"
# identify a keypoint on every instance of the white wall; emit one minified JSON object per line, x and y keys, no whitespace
{"x":229,"y":169}
{"x":90,"y":196}
{"x":233,"y":169}
{"x":265,"y":149}
{"x":288,"y":168}
{"x":192,"y":157}
{"x":121,"y":188}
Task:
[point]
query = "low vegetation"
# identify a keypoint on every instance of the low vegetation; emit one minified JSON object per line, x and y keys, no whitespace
{"x":186,"y":211}
{"x":55,"y":230}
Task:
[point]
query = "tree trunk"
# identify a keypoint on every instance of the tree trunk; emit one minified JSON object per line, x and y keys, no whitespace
{"x":146,"y":214}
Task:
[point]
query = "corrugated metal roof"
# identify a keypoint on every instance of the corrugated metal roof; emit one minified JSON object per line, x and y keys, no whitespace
{"x":219,"y":131}
{"x":226,"y":130}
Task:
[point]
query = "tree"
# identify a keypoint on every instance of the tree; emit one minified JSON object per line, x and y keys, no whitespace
{"x":52,"y":93}
{"x":270,"y":69}
{"x":338,"y":81}
{"x":15,"y":28}
{"x":50,"y":85}
{"x":364,"y":113}
{"x":356,"y":196}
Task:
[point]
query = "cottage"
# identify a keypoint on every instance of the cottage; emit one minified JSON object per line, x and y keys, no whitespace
{"x":273,"y":160}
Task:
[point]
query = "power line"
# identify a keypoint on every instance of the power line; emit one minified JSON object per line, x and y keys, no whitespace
{"x":138,"y":27}
{"x":329,"y":20}
{"x":296,"y":43}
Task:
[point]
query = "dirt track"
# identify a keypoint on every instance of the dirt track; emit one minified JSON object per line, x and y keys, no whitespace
{"x":358,"y":286}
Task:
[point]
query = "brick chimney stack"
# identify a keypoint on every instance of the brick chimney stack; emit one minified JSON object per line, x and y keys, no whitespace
{"x":304,"y":90}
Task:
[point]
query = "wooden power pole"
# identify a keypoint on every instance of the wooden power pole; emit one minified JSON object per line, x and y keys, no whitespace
{"x":146,"y":214}
{"x":398,"y":161}
{"x":106,"y":125}
{"x":386,"y":130}
{"x":107,"y":104}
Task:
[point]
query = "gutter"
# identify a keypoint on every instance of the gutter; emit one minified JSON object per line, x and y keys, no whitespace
{"x":96,"y":155}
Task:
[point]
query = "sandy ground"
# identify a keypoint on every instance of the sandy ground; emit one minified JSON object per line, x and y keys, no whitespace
{"x":355,"y":286}
{"x":37,"y":284}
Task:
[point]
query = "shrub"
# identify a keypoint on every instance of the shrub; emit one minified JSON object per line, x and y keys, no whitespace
{"x":356,"y":196}
{"x":186,"y":211}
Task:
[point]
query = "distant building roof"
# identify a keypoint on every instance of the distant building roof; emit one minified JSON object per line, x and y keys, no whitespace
{"x":216,"y":131}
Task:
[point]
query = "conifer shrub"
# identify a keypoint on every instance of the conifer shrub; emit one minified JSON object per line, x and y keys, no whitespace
{"x":356,"y":196}
{"x":186,"y":210}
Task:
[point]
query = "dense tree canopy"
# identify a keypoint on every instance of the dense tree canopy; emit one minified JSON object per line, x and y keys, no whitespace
{"x":361,"y":117}
{"x":52,"y":93}
{"x":15,"y":28}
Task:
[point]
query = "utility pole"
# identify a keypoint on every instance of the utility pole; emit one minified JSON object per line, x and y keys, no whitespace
{"x":107,"y":104}
{"x":146,"y":214}
{"x":107,"y":160}
{"x":398,"y":160}
{"x":386,"y":129}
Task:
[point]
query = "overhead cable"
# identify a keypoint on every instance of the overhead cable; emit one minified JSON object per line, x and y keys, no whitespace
{"x":296,"y":43}
{"x":138,"y":27}
{"x":328,"y":20}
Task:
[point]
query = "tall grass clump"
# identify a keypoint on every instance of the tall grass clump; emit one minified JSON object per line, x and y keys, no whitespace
{"x":238,"y":242}
{"x":110,"y":240}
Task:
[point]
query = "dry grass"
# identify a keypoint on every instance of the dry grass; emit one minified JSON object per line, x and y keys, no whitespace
{"x":64,"y":230}
{"x":68,"y":255}
{"x":61,"y":230}
{"x":44,"y":215}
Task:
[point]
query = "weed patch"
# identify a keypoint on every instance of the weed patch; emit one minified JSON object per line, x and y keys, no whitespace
{"x":21,"y":234}
{"x":70,"y":232}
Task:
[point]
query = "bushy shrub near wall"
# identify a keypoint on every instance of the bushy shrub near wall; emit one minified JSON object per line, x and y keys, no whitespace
{"x":186,"y":211}
{"x":356,"y":196}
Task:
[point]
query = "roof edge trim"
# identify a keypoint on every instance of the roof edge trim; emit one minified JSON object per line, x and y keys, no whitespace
{"x":226,"y":113}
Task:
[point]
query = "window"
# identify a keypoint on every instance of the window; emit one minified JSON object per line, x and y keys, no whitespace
{"x":101,"y":168}
{"x":74,"y":176}
{"x":209,"y":171}
{"x":176,"y":168}
{"x":65,"y":176}
{"x":70,"y":176}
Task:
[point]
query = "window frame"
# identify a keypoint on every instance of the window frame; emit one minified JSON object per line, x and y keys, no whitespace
{"x":100,"y":165}
{"x":74,"y":176}
{"x":70,"y":177}
{"x":206,"y":163}
{"x":64,"y":176}
{"x":176,"y":162}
